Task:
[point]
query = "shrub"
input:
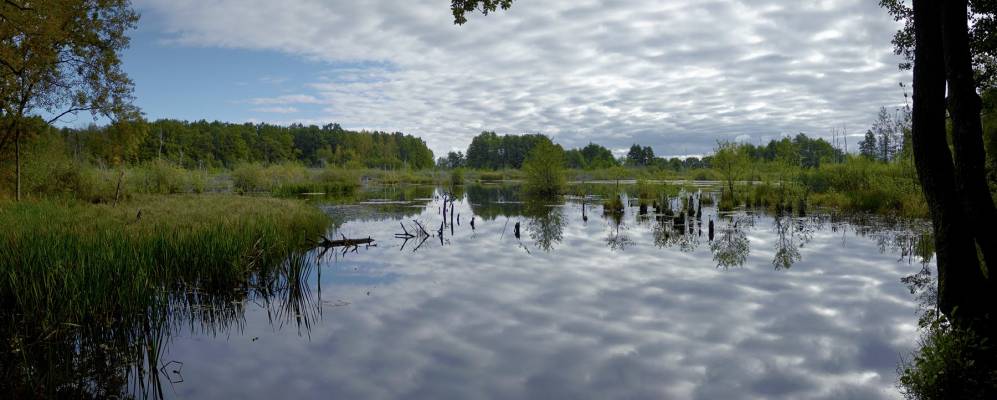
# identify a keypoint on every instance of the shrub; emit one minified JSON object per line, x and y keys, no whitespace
{"x":544,"y":169}
{"x":164,"y":177}
{"x":613,"y":205}
{"x":952,"y":363}
{"x":456,"y":177}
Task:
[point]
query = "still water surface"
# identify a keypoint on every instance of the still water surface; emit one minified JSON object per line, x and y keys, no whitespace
{"x":580,"y":305}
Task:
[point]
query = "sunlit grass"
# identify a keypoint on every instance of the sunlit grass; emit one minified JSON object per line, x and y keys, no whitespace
{"x":70,"y":262}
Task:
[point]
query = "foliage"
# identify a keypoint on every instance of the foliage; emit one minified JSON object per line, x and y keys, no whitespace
{"x":730,"y":163}
{"x":161,"y":177}
{"x":868,"y":146}
{"x":491,"y":151}
{"x":982,"y":37}
{"x":592,"y":156}
{"x":951,"y":363}
{"x":202,"y":144}
{"x":613,"y":204}
{"x":545,"y":224}
{"x":640,"y":156}
{"x":544,"y":169}
{"x":452,"y":160}
{"x":456,"y":177}
{"x":62,"y":56}
{"x":70,"y":262}
{"x":460,"y":7}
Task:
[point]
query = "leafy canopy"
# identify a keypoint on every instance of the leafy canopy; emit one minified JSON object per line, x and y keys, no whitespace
{"x":460,"y":7}
{"x":59,"y":57}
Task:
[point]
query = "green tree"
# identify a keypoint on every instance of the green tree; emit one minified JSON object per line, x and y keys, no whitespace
{"x":60,"y":57}
{"x":868,"y":146}
{"x":730,"y":163}
{"x":640,"y":156}
{"x":597,"y":156}
{"x":544,"y":168}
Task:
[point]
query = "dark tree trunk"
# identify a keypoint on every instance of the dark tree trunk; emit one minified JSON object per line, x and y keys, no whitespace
{"x":960,"y":280}
{"x":964,"y":107}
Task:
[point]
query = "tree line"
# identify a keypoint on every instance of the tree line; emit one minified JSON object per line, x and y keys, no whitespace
{"x":489,"y":150}
{"x":203,"y":144}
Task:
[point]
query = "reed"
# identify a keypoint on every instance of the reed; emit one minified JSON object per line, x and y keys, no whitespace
{"x":66,"y":262}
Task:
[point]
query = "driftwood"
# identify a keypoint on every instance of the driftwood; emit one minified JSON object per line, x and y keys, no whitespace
{"x":344,"y":242}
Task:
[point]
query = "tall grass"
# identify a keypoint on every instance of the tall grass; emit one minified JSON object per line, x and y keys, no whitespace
{"x":90,"y":293}
{"x":68,"y":262}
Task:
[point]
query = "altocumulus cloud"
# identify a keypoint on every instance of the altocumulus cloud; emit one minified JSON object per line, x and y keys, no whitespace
{"x":677,"y":75}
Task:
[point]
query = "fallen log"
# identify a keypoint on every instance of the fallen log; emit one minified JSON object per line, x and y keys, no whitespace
{"x":344,"y":242}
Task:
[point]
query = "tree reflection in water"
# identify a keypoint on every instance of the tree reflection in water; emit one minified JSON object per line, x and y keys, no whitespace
{"x":730,"y":247}
{"x":791,"y":235}
{"x":618,"y":238}
{"x":545,"y":223}
{"x":667,"y":233}
{"x":121,"y":358}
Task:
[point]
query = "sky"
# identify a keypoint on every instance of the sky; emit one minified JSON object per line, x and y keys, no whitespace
{"x":677,"y":75}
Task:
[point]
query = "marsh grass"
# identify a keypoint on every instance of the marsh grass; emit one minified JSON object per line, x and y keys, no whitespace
{"x":858,"y":185}
{"x":90,"y":293}
{"x":68,"y":262}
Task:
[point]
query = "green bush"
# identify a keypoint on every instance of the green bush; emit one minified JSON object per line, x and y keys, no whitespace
{"x":613,"y":205}
{"x":952,"y":363}
{"x":250,"y":178}
{"x":544,"y":169}
{"x":456,"y":177}
{"x":164,"y":177}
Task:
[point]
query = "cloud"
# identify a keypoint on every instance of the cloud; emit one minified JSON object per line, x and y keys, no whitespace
{"x":285,"y":99}
{"x":276,"y":110}
{"x":481,"y":318}
{"x":676,"y":75}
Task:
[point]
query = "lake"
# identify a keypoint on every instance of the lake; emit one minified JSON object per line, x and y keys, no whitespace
{"x":580,"y":304}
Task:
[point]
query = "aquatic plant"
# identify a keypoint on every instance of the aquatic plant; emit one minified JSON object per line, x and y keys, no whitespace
{"x":69,"y":262}
{"x":613,"y":205}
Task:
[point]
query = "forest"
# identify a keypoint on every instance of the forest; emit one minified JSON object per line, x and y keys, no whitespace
{"x":202,"y":144}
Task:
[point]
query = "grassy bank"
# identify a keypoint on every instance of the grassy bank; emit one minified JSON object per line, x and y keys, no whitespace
{"x":68,"y":262}
{"x":854,"y":184}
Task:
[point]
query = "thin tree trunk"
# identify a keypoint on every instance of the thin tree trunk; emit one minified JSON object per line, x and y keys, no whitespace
{"x":960,"y":280}
{"x":964,"y":106}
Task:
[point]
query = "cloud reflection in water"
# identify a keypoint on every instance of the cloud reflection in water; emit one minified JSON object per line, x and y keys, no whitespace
{"x":478,"y":317}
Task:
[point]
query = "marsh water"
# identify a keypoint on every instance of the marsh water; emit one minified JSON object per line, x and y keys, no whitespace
{"x":579,"y":304}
